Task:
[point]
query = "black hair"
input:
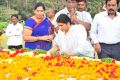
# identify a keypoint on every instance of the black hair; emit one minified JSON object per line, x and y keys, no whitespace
{"x":63,"y":18}
{"x":81,"y":1}
{"x":14,"y":15}
{"x":110,"y":0}
{"x":38,"y":5}
{"x":55,"y":11}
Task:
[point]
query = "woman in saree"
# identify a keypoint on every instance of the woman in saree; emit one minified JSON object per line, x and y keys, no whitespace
{"x":38,"y":32}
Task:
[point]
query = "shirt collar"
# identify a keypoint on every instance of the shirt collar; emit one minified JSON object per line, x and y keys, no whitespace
{"x":67,"y":12}
{"x":106,"y":13}
{"x":15,"y":24}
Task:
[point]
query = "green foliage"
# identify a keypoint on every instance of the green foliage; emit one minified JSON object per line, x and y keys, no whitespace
{"x":65,"y":55}
{"x":94,"y":6}
{"x":26,"y":49}
{"x":5,"y":13}
{"x":57,"y":54}
{"x":22,"y":22}
{"x":25,"y":7}
{"x":56,"y":4}
{"x":13,"y":49}
{"x":3,"y":25}
{"x":39,"y":51}
{"x":54,"y":53}
{"x":106,"y":60}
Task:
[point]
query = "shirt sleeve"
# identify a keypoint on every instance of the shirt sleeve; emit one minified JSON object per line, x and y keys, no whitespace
{"x":81,"y":34}
{"x":94,"y":30}
{"x":55,"y":41}
{"x":84,"y":16}
{"x":60,"y":41}
{"x":89,"y":18}
{"x":84,"y":47}
{"x":9,"y":32}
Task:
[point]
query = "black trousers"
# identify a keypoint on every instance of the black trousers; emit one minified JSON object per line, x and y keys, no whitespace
{"x":16,"y":47}
{"x":110,"y":51}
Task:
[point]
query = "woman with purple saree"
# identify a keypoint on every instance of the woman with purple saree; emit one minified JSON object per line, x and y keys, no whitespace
{"x":38,"y":32}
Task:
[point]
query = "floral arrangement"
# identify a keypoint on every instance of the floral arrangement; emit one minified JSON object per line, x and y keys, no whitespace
{"x":52,"y":67}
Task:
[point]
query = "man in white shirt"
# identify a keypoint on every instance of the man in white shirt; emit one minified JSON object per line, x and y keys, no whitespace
{"x":14,"y":33}
{"x":84,"y":15}
{"x":71,"y":11}
{"x":71,"y":39}
{"x":105,"y":31}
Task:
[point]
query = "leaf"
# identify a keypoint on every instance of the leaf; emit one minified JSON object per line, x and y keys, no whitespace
{"x":106,"y":60}
{"x":39,"y":51}
{"x":13,"y":49}
{"x":26,"y":49}
{"x":64,"y":55}
{"x":54,"y":53}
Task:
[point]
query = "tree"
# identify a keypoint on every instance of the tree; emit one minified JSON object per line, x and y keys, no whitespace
{"x":24,"y":7}
{"x":56,"y":4}
{"x":5,"y":13}
{"x":94,"y":6}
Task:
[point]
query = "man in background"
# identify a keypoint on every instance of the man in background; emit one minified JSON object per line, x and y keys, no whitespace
{"x":85,"y":16}
{"x":51,"y":14}
{"x":14,"y":33}
{"x":71,"y":11}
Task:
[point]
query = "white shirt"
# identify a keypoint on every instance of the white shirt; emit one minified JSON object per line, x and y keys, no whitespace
{"x":75,"y":40}
{"x":84,"y":16}
{"x":104,"y":29}
{"x":14,"y":33}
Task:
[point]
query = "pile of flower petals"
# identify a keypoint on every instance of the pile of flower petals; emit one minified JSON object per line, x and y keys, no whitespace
{"x":56,"y":68}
